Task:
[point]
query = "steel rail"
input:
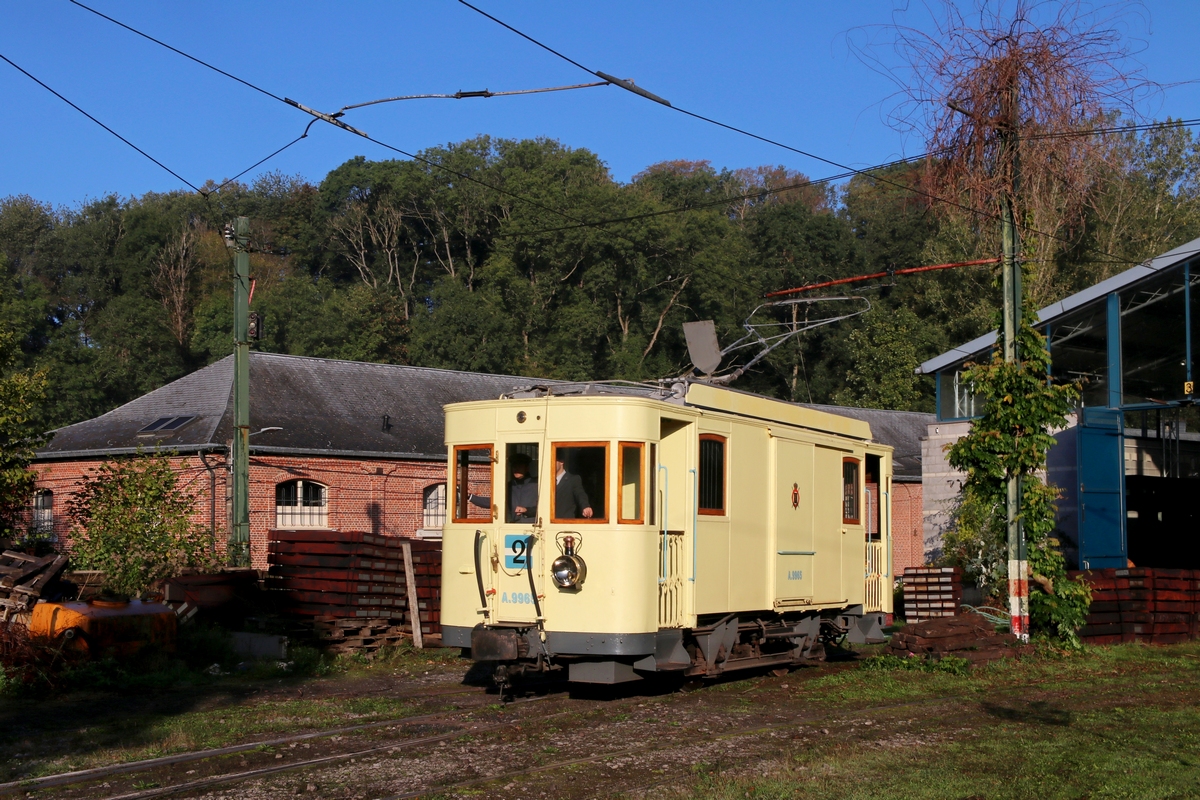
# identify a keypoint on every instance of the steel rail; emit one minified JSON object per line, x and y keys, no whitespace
{"x":94,"y":773}
{"x":801,"y":719}
{"x":238,"y":777}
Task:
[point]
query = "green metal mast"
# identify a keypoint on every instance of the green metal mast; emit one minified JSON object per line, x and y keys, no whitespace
{"x":1018,"y":563}
{"x":239,"y":533}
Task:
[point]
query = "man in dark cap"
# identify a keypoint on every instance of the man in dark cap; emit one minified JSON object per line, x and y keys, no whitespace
{"x":522,"y":492}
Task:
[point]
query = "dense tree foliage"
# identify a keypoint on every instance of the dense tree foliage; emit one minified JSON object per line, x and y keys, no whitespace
{"x":21,"y":394}
{"x":407,"y":262}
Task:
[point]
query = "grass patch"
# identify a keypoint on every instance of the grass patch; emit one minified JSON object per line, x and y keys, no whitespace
{"x":1114,"y":722}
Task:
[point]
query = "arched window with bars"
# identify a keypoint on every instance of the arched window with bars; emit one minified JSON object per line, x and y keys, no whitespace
{"x":301,"y":504}
{"x":434,"y":501}
{"x":43,"y":513}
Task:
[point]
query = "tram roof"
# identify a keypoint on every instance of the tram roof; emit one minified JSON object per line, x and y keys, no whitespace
{"x":698,"y":394}
{"x":719,"y":398}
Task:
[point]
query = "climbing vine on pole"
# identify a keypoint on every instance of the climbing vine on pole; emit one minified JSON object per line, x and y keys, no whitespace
{"x":1012,"y":437}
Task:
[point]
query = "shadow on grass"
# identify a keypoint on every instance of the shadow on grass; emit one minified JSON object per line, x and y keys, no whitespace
{"x":1036,"y":712}
{"x":84,"y":713}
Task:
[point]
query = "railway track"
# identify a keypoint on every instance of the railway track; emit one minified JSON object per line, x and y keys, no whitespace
{"x":418,"y":745}
{"x":391,"y":745}
{"x":145,"y":765}
{"x":692,"y":739}
{"x":409,"y":743}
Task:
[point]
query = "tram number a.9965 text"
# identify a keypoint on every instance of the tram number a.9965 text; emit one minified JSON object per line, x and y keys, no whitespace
{"x":795,"y":575}
{"x":520,"y":598}
{"x":516,"y":551}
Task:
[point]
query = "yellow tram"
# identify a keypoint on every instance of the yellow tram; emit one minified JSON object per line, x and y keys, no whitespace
{"x":625,"y":531}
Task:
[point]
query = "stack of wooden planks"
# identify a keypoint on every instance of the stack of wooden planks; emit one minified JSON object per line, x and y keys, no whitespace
{"x":968,"y":636}
{"x":1158,"y":606}
{"x":23,"y":578}
{"x":365,"y":636}
{"x":361,"y":590}
{"x":931,"y":592}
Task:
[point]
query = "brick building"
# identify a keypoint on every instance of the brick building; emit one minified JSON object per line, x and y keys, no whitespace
{"x":342,"y":445}
{"x":345,"y":445}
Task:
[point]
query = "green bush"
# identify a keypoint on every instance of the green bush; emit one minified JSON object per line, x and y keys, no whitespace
{"x":134,"y":523}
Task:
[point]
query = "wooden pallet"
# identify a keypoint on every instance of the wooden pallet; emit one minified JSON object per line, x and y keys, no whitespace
{"x":23,"y":578}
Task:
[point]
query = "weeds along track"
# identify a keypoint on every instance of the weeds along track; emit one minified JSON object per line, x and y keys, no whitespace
{"x":394,"y":744}
{"x":577,"y":706}
{"x":691,"y":740}
{"x":134,"y":767}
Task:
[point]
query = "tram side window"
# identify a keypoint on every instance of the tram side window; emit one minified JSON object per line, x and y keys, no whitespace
{"x":580,"y":482}
{"x":712,"y":474}
{"x":472,"y":482}
{"x":850,"y":492}
{"x":629,"y":508}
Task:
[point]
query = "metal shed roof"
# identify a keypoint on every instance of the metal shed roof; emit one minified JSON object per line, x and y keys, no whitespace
{"x":1068,"y":304}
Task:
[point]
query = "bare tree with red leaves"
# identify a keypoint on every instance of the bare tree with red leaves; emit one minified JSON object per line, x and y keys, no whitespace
{"x":1043,"y":75}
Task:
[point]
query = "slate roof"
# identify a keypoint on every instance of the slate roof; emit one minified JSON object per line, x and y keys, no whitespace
{"x":1054,"y":310}
{"x":336,"y":408}
{"x":902,"y":430}
{"x":324,"y":407}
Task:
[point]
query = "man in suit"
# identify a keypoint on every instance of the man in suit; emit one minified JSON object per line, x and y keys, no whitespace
{"x":569,"y":496}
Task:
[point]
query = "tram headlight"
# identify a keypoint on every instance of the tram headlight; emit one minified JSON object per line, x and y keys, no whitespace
{"x":568,"y":570}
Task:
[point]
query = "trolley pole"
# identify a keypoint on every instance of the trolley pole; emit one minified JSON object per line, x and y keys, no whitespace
{"x":239,"y":534}
{"x":1018,"y":563}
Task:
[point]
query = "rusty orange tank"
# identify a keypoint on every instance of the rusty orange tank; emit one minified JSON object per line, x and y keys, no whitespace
{"x":103,"y":627}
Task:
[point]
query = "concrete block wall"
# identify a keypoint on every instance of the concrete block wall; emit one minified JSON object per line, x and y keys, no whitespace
{"x":940,"y":483}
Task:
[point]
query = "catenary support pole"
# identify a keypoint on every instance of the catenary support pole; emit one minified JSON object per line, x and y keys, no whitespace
{"x":239,"y":534}
{"x":1018,"y":563}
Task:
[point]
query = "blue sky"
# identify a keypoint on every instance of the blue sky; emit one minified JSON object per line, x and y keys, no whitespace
{"x":781,"y":69}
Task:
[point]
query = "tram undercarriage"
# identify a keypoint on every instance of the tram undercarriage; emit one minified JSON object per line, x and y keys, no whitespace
{"x":732,"y":642}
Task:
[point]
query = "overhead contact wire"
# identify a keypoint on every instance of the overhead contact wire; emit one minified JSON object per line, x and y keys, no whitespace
{"x":17,"y":67}
{"x":262,"y":161}
{"x":773,"y":142}
{"x":606,"y":79}
{"x":318,"y":115}
{"x":202,"y":63}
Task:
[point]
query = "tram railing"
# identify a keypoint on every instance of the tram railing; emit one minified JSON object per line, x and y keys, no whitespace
{"x":876,"y":577}
{"x":672,"y":552}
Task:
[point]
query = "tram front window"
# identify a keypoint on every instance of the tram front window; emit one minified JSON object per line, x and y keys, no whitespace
{"x":580,"y":480}
{"x":472,"y":483}
{"x":521,"y":500}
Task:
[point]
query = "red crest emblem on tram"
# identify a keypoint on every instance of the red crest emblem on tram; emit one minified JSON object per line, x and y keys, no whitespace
{"x":795,"y":495}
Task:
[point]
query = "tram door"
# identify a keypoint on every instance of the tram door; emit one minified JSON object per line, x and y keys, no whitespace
{"x":518,"y":550}
{"x":794,"y":503}
{"x":674,"y":497}
{"x":828,"y":530}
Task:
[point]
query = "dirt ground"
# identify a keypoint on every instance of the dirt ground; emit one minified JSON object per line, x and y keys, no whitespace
{"x":1110,"y":722}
